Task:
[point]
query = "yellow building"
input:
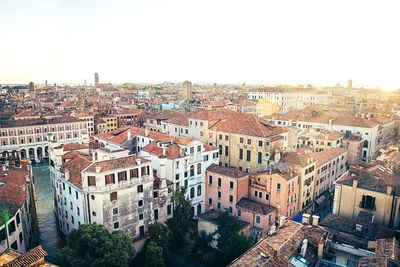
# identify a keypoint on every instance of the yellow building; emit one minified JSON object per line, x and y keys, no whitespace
{"x":266,"y":107}
{"x":374,"y":190}
{"x":303,"y":163}
{"x":111,"y":123}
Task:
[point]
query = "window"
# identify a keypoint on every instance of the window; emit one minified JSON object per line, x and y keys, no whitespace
{"x":239,"y":213}
{"x":199,"y":148}
{"x":278,"y":186}
{"x":260,"y":143}
{"x":122,"y":176}
{"x":230,"y":209}
{"x":259,"y":158}
{"x":169,"y":209}
{"x":267,"y":196}
{"x":210,"y":179}
{"x":219,"y":205}
{"x":226,"y":137}
{"x":220,"y":137}
{"x":240,"y":153}
{"x":249,"y":141}
{"x":230,"y":198}
{"x":69,"y":190}
{"x":116,"y":225}
{"x":220,"y":149}
{"x":192,"y":192}
{"x":199,"y":168}
{"x":110,"y":178}
{"x":140,"y":188}
{"x":140,"y":203}
{"x":18,"y":219}
{"x":248,"y":155}
{"x":199,"y":190}
{"x":209,"y":201}
{"x":219,"y":182}
{"x":134,"y":173}
{"x":260,"y":194}
{"x":177,"y":176}
{"x":11,"y":227}
{"x":145,"y":170}
{"x":226,"y":151}
{"x":231,"y":185}
{"x":241,"y":140}
{"x":219,"y":194}
{"x":141,"y":230}
{"x":156,"y":214}
{"x":258,"y":219}
{"x":191,"y":170}
{"x":113,"y":196}
{"x":76,"y":195}
{"x":155,"y":194}
{"x":78,"y":211}
{"x":367,"y":202}
{"x":140,"y":216}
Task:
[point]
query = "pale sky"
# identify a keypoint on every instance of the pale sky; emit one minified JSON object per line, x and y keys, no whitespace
{"x":294,"y":42}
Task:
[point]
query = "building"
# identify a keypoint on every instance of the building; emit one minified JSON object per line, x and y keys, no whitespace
{"x":374,"y":135}
{"x":187,"y":90}
{"x":183,"y":162}
{"x":289,"y":98}
{"x":111,"y":123}
{"x":319,"y":140}
{"x":109,"y":187}
{"x":153,"y":120}
{"x":29,"y":138}
{"x":374,"y":190}
{"x":128,"y":117}
{"x":34,"y":257}
{"x":18,"y":220}
{"x":225,"y":187}
{"x":245,"y":141}
{"x":331,"y":164}
{"x":86,"y":116}
{"x":96,"y":80}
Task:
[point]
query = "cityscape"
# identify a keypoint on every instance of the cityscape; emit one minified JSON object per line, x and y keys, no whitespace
{"x":211,"y":154}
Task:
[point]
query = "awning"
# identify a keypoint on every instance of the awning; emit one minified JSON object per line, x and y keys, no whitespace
{"x":320,"y":199}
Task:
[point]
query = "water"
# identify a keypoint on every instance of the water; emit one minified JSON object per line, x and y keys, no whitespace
{"x":50,"y":238}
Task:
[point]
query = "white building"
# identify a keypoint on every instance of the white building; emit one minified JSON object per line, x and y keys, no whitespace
{"x":109,"y":187}
{"x":290,"y":98}
{"x":18,"y":219}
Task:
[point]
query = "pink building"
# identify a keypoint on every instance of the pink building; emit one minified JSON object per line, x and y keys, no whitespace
{"x":225,"y":186}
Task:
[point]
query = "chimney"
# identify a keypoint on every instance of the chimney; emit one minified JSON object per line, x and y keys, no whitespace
{"x":315,"y":219}
{"x":129,"y":134}
{"x":66,"y":174}
{"x":98,"y":169}
{"x":305,"y":219}
{"x":138,"y":161}
{"x":358,"y":230}
{"x":321,"y":245}
{"x":164,"y":151}
{"x":146,"y":132}
{"x":303,"y":249}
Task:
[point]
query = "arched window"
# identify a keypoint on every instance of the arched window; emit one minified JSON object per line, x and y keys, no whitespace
{"x":365,"y":143}
{"x":192,"y":170}
{"x":198,"y":209}
{"x":192,"y":192}
{"x":199,"y":168}
{"x":199,"y":190}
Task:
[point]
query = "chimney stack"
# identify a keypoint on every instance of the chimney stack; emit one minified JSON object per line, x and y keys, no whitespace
{"x":315,"y":219}
{"x":305,"y":219}
{"x":98,"y":169}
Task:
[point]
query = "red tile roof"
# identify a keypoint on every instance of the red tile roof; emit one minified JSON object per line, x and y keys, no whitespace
{"x":226,"y":171}
{"x":114,"y":164}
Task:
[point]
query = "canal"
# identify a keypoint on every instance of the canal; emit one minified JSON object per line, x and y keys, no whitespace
{"x":49,"y":236}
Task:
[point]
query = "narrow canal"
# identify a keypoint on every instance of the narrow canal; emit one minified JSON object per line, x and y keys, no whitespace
{"x":50,"y":238}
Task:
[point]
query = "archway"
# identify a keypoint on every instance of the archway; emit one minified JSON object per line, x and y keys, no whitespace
{"x":31,"y":152}
{"x":23,"y":153}
{"x":40,"y":153}
{"x":46,"y":152}
{"x":198,"y":209}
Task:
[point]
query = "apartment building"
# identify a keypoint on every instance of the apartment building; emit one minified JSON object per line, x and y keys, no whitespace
{"x":225,"y":187}
{"x":152,"y":120}
{"x":86,"y":116}
{"x":182,"y":161}
{"x":372,"y":190}
{"x":245,"y":141}
{"x":289,"y":98}
{"x":371,"y":132}
{"x":303,"y":163}
{"x":319,"y":140}
{"x":128,"y":117}
{"x":18,"y":220}
{"x":331,"y":164}
{"x":109,"y":187}
{"x":111,"y":123}
{"x":29,"y":138}
{"x":279,"y":189}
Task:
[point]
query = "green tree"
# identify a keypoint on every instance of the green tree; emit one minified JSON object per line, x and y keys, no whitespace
{"x":158,"y":233}
{"x":180,"y":223}
{"x":93,"y":245}
{"x":231,"y":243}
{"x":154,"y":255}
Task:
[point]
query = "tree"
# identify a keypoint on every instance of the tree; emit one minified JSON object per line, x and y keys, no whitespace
{"x":93,"y":245}
{"x":180,"y":223}
{"x":231,"y":243}
{"x":154,"y":255}
{"x":158,"y":233}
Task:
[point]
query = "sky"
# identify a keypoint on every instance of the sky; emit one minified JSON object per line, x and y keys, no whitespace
{"x":224,"y":41}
